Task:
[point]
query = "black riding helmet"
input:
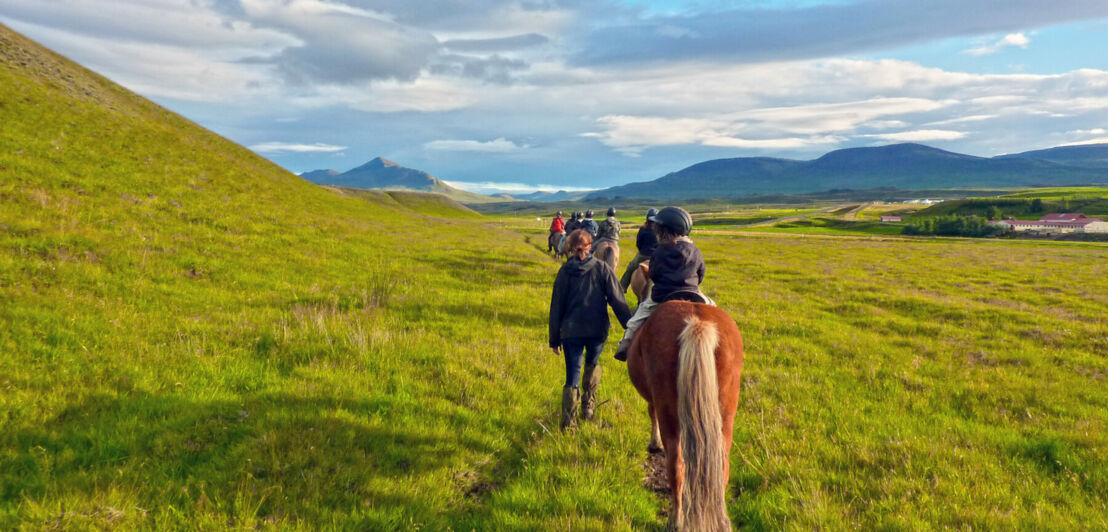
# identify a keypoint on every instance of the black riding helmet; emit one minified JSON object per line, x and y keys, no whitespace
{"x":588,"y":213}
{"x":651,"y":213}
{"x":559,"y":214}
{"x":611,"y":211}
{"x":674,"y":218}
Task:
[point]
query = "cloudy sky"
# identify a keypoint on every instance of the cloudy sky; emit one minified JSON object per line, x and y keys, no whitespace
{"x":534,"y":94}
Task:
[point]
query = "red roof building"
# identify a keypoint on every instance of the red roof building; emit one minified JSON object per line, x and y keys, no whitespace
{"x":1070,"y":222}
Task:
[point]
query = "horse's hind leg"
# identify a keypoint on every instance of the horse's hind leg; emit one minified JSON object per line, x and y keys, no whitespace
{"x":675,"y":468}
{"x":655,"y":434}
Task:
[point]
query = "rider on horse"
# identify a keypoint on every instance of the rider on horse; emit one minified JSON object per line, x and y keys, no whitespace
{"x":572,"y":225}
{"x":646,"y":241}
{"x":675,"y":267}
{"x":589,"y":224}
{"x":558,"y":225}
{"x":608,"y":228}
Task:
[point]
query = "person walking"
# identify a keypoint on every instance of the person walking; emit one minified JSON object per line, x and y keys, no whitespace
{"x":645,"y":241}
{"x":583,"y":289}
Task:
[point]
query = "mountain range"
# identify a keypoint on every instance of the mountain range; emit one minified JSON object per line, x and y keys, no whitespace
{"x":382,"y":173}
{"x":904,"y":166}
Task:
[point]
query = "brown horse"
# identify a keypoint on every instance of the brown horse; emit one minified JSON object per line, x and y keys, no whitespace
{"x":607,"y":251}
{"x":554,"y":242}
{"x":640,"y":281}
{"x":686,"y":361}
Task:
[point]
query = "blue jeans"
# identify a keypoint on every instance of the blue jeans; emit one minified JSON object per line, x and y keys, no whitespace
{"x":572,"y":348}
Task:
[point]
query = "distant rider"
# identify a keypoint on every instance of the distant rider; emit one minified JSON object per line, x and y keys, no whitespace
{"x":645,"y":241}
{"x":589,"y":224}
{"x":573,"y":224}
{"x":558,"y":225}
{"x":676,"y":266}
{"x":609,"y":227}
{"x":583,"y":290}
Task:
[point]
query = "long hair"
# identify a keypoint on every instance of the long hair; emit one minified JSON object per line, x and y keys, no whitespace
{"x":579,"y":243}
{"x":665,"y":235}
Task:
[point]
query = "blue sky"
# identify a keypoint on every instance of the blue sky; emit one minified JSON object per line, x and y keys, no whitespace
{"x":588,"y":94}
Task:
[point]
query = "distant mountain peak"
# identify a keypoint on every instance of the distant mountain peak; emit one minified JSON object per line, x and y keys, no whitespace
{"x":381,"y":173}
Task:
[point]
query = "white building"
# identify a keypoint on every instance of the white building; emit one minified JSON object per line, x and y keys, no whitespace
{"x":1069,"y":222}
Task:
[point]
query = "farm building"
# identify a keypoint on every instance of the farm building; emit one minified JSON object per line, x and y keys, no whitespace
{"x":1069,"y":222}
{"x":888,"y":218}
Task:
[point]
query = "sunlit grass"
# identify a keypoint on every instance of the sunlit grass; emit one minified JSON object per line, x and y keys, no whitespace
{"x":192,"y":338}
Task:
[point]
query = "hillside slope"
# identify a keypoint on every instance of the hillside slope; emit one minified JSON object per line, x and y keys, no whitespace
{"x":193,"y":338}
{"x":1091,"y":155}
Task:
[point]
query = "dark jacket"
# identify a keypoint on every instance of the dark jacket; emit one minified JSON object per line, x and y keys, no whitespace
{"x":572,"y":226}
{"x":646,"y":241}
{"x":608,"y":228}
{"x":583,"y":290}
{"x":589,"y":225}
{"x":675,"y":267}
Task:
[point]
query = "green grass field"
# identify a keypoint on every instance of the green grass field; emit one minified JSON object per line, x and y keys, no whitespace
{"x":193,"y":338}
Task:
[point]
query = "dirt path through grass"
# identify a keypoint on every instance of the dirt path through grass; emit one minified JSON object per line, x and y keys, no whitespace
{"x":792,"y":218}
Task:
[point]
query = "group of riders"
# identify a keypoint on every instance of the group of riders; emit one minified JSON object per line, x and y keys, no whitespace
{"x":586,"y":286}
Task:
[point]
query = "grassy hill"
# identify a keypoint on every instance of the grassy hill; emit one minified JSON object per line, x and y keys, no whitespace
{"x":193,"y":338}
{"x":424,"y":203}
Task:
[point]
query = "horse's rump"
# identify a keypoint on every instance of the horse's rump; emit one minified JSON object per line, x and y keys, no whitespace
{"x":640,"y":280}
{"x":607,"y":251}
{"x":554,"y":241}
{"x":686,"y":361}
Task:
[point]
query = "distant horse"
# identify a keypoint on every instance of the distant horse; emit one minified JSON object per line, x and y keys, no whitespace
{"x":686,"y":361}
{"x":607,"y":251}
{"x":554,"y":242}
{"x":640,"y":281}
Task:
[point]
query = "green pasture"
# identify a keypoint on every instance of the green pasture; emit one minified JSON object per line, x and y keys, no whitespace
{"x":1061,"y":193}
{"x":192,"y":338}
{"x":833,"y":226}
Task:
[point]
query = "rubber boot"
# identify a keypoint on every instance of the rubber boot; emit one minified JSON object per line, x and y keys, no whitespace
{"x":571,"y":401}
{"x":591,"y":380}
{"x":621,"y":350}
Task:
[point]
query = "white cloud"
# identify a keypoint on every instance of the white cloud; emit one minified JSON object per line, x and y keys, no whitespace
{"x":1087,"y":136}
{"x":161,"y":70}
{"x":961,"y":120}
{"x":1100,"y":140}
{"x":1012,"y":39}
{"x":500,"y":145}
{"x":919,"y":135}
{"x":800,"y":126}
{"x":278,"y":147}
{"x":425,"y":94}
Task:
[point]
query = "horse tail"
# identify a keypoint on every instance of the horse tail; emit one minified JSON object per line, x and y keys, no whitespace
{"x":606,"y":252}
{"x":703,"y":505}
